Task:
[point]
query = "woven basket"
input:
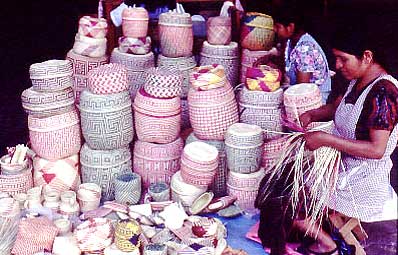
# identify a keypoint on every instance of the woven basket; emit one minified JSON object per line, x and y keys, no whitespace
{"x":55,"y":137}
{"x":90,"y":47}
{"x":157,"y":120}
{"x":243,"y":143}
{"x":103,"y":166}
{"x":93,"y":27}
{"x":159,"y":191}
{"x":45,"y":104}
{"x":257,"y":32}
{"x":94,"y":235}
{"x":212,"y":112}
{"x":135,"y":22}
{"x":60,"y":175}
{"x":157,"y":162}
{"x":89,"y":196}
{"x":128,"y":188}
{"x":108,"y":79}
{"x":170,"y":25}
{"x":6,"y":168}
{"x":244,"y":187}
{"x":140,"y":46}
{"x":107,"y":120}
{"x":248,"y":59}
{"x":263,"y":78}
{"x":51,"y":75}
{"x":17,"y":183}
{"x":219,"y":30}
{"x":208,"y":77}
{"x":184,"y":192}
{"x":225,"y":55}
{"x":271,"y":152}
{"x":163,"y":82}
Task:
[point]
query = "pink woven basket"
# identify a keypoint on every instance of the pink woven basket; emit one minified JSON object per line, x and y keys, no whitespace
{"x":17,"y":183}
{"x":247,"y":60}
{"x":219,"y":30}
{"x":135,"y":22}
{"x":157,"y":120}
{"x":170,"y":25}
{"x":157,"y":162}
{"x":163,"y":82}
{"x":90,"y":47}
{"x":140,"y":46}
{"x":93,"y":27}
{"x":271,"y":152}
{"x":108,"y":79}
{"x":55,"y":137}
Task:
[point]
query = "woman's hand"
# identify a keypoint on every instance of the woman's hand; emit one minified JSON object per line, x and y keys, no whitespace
{"x":305,"y":119}
{"x":315,"y":139}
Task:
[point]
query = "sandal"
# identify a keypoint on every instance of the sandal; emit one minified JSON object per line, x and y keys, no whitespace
{"x":311,"y":252}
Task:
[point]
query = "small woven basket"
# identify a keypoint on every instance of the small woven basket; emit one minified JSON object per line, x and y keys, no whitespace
{"x":93,"y":27}
{"x":108,"y":79}
{"x":135,"y":22}
{"x":128,"y":188}
{"x":219,"y":30}
{"x":184,"y":192}
{"x":51,"y":75}
{"x":139,"y":46}
{"x":163,"y":82}
{"x":248,"y":59}
{"x":159,"y":191}
{"x":90,"y":47}
{"x":257,"y":32}
{"x":16,"y":183}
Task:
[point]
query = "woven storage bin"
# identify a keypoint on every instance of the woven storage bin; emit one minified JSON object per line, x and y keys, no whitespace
{"x":185,"y":66}
{"x":219,"y":30}
{"x":248,"y":58}
{"x":225,"y":55}
{"x":107,"y":120}
{"x":170,"y":25}
{"x":93,"y":27}
{"x":199,"y":162}
{"x":159,"y":191}
{"x":16,"y":183}
{"x":135,"y":22}
{"x":55,"y":137}
{"x":88,"y":196}
{"x":157,"y":162}
{"x":108,"y":79}
{"x":211,"y":112}
{"x":128,"y":188}
{"x":51,"y":75}
{"x":157,"y":120}
{"x":244,"y":187}
{"x":257,"y":32}
{"x":219,"y":185}
{"x":271,"y":152}
{"x":90,"y":47}
{"x":140,"y":46}
{"x":103,"y":166}
{"x":136,"y":66}
{"x":243,"y":143}
{"x":163,"y":82}
{"x":60,"y":175}
{"x":184,"y":192}
{"x":44,"y":104}
{"x":263,"y":109}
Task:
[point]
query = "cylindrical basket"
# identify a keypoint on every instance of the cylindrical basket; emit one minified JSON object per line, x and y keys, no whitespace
{"x":163,"y":82}
{"x":93,"y":27}
{"x":159,"y":191}
{"x":140,"y":46}
{"x":128,"y":188}
{"x":51,"y":75}
{"x":135,"y":22}
{"x":257,"y":32}
{"x":184,"y":192}
{"x":16,"y":183}
{"x":90,"y":47}
{"x":219,"y":30}
{"x":108,"y":79}
{"x":8,"y":168}
{"x":88,"y":196}
{"x":248,"y":59}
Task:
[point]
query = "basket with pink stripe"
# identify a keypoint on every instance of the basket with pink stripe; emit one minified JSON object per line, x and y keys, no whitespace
{"x":211,"y":112}
{"x":157,"y":120}
{"x":94,"y":235}
{"x":199,"y":162}
{"x":93,"y":27}
{"x":184,"y":192}
{"x":55,"y":137}
{"x":271,"y":152}
{"x":219,"y":30}
{"x":208,"y":77}
{"x":90,"y":47}
{"x":108,"y":79}
{"x":163,"y":82}
{"x":157,"y":162}
{"x":244,"y":187}
{"x":51,"y":75}
{"x":248,"y":58}
{"x":140,"y":46}
{"x":170,"y":25}
{"x":135,"y":22}
{"x":17,"y":183}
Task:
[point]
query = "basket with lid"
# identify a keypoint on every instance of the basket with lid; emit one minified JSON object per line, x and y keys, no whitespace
{"x":257,"y":31}
{"x":108,"y":79}
{"x":219,"y":30}
{"x":135,"y":22}
{"x":51,"y":75}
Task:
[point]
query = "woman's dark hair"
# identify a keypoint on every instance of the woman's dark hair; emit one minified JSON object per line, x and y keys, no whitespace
{"x":289,"y":11}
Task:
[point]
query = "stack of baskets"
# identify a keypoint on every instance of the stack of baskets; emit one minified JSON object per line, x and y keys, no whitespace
{"x":88,"y":52}
{"x":134,"y":50}
{"x":54,"y":125}
{"x":107,"y":127}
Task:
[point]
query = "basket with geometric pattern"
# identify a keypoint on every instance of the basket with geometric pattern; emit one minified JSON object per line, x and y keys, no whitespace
{"x":93,"y":27}
{"x":163,"y":82}
{"x":51,"y":75}
{"x":257,"y":32}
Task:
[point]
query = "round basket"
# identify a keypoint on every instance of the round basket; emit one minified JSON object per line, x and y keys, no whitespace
{"x":135,"y":22}
{"x":163,"y":82}
{"x":93,"y":27}
{"x":225,"y":55}
{"x":140,"y":46}
{"x":16,"y":183}
{"x":60,"y":175}
{"x":103,"y":166}
{"x":51,"y":75}
{"x":107,"y":120}
{"x":185,"y":66}
{"x":157,"y":120}
{"x":108,"y":79}
{"x":159,"y":191}
{"x":157,"y":162}
{"x":55,"y":137}
{"x":219,"y":30}
{"x":257,"y":32}
{"x":155,"y":249}
{"x":211,"y":112}
{"x":128,"y":188}
{"x":271,"y":152}
{"x":172,"y":24}
{"x":208,"y":77}
{"x":8,"y":168}
{"x":88,"y":196}
{"x":243,"y":143}
{"x":90,"y":47}
{"x":184,"y":192}
{"x":45,"y":104}
{"x":263,"y":78}
{"x":248,"y":58}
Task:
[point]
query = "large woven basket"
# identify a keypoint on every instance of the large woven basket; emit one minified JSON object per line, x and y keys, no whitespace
{"x":184,"y":192}
{"x":55,"y":137}
{"x":103,"y":166}
{"x":184,"y":64}
{"x":163,"y":82}
{"x":90,"y":47}
{"x":17,"y":183}
{"x":170,"y":25}
{"x":157,"y":162}
{"x":108,"y":79}
{"x":211,"y":112}
{"x":257,"y":32}
{"x":157,"y":120}
{"x":107,"y":120}
{"x":243,"y":143}
{"x":225,"y":55}
{"x":51,"y":75}
{"x":263,"y":109}
{"x":272,"y":152}
{"x":248,"y":59}
{"x":135,"y":22}
{"x":219,"y":30}
{"x":140,"y":46}
{"x":93,"y":27}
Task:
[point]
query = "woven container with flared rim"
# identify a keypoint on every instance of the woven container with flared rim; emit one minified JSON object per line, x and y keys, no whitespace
{"x":93,"y":27}
{"x":51,"y":75}
{"x":257,"y":31}
{"x":135,"y":22}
